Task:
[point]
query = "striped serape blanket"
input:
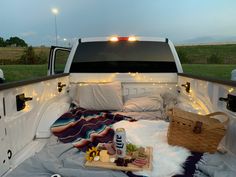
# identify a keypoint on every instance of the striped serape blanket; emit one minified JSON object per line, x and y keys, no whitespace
{"x":85,"y":128}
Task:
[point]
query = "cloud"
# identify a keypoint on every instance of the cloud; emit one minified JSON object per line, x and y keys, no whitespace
{"x":28,"y":34}
{"x":62,"y":40}
{"x":209,"y":40}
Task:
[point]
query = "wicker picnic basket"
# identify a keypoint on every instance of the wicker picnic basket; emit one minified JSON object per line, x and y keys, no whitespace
{"x":198,"y":133}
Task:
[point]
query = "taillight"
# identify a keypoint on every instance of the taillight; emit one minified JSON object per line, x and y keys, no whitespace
{"x":123,"y":38}
{"x":114,"y":39}
{"x":130,"y":39}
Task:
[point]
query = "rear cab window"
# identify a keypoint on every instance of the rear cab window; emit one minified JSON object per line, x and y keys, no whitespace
{"x":123,"y":56}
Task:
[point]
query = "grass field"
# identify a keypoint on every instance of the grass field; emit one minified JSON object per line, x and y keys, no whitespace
{"x":200,"y":53}
{"x":23,"y":72}
{"x":11,"y":53}
{"x":210,"y":70}
{"x":14,"y":53}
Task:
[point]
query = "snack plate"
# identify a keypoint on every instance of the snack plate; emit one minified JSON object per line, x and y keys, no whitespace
{"x":130,"y":167}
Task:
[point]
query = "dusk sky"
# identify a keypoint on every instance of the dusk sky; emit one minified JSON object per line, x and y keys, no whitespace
{"x":179,"y":20}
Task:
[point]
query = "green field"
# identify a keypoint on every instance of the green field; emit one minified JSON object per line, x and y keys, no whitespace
{"x":23,"y":72}
{"x":200,"y":53}
{"x":218,"y":71}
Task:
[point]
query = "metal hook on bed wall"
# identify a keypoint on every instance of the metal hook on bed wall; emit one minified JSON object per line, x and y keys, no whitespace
{"x":230,"y":101}
{"x":186,"y":86}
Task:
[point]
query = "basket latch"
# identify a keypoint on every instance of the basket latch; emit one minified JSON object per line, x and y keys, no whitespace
{"x":198,"y":127}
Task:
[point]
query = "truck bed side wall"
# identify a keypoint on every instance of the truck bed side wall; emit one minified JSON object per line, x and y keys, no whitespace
{"x":207,"y":93}
{"x":18,"y":128}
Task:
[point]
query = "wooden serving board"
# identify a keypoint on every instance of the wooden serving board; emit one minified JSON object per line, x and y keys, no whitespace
{"x":130,"y":167}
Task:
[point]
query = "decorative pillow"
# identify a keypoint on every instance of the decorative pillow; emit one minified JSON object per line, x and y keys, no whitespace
{"x":170,"y":99}
{"x":141,"y":104}
{"x":100,"y":96}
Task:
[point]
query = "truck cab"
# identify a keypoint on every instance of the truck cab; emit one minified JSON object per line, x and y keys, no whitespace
{"x":117,"y":54}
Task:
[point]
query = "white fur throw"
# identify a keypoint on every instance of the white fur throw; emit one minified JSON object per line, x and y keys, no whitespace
{"x":167,"y":160}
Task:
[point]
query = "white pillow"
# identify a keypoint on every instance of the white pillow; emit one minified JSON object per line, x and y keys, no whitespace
{"x":100,"y":96}
{"x":141,"y":104}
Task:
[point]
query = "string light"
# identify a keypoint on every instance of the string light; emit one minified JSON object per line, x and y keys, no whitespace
{"x":191,"y":96}
{"x":140,"y":77}
{"x":231,"y":90}
{"x":27,"y":107}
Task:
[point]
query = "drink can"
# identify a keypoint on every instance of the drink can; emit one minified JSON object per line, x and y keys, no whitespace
{"x":120,"y":142}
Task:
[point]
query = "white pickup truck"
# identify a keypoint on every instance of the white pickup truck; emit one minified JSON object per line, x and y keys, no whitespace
{"x":29,"y":108}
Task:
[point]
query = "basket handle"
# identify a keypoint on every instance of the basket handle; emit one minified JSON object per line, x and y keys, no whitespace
{"x":218,"y":125}
{"x":170,"y":113}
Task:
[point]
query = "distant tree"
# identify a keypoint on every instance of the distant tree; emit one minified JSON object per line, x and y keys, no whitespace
{"x":42,"y":58}
{"x":29,"y":56}
{"x":16,"y":41}
{"x":214,"y":59}
{"x":2,"y":42}
{"x":183,"y":57}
